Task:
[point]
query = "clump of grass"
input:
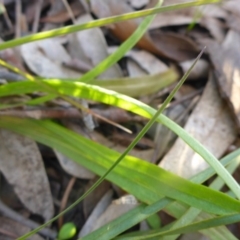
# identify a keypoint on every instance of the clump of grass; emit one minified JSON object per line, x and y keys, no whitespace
{"x":158,"y":189}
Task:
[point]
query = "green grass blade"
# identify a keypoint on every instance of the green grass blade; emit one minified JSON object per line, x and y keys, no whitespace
{"x":210,"y":223}
{"x":121,"y":51}
{"x":126,"y":221}
{"x":189,"y":216}
{"x":145,"y":129}
{"x":101,"y":22}
{"x":81,"y":90}
{"x":139,"y":86}
{"x":141,"y":212}
{"x":144,"y":180}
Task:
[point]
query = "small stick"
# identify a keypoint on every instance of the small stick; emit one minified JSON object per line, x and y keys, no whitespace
{"x":37,"y":16}
{"x":65,"y":198}
{"x":18,"y":7}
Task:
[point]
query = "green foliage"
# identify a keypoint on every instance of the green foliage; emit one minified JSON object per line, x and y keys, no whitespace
{"x":196,"y":207}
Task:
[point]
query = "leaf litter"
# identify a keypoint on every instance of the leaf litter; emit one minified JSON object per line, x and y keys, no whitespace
{"x":169,"y":47}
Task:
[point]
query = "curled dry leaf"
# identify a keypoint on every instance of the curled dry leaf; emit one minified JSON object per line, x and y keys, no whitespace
{"x":45,"y":59}
{"x":22,"y":166}
{"x":209,"y":123}
{"x":169,"y":45}
{"x":226,"y":62}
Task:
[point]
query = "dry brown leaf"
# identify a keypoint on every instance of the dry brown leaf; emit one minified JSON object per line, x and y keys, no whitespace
{"x":134,"y":70}
{"x":56,"y":6}
{"x":171,"y":19}
{"x":63,"y":15}
{"x":96,"y":213}
{"x":32,"y":7}
{"x":148,"y":61}
{"x":92,"y":44}
{"x":210,"y":10}
{"x":172,"y":45}
{"x":45,"y":59}
{"x":22,"y":166}
{"x":90,"y":202}
{"x":70,"y":166}
{"x":12,"y":56}
{"x":163,"y":144}
{"x":145,"y":60}
{"x":213,"y":10}
{"x":226,"y":61}
{"x":211,"y":124}
{"x":169,"y":45}
{"x":215,"y":27}
{"x":14,"y":229}
{"x":234,"y":22}
{"x":232,"y":6}
{"x":114,"y":210}
{"x":186,"y":16}
{"x":138,"y":3}
{"x":117,"y":115}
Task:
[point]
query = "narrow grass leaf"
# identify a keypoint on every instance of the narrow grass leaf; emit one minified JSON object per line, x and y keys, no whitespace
{"x":140,"y":213}
{"x":82,"y":90}
{"x":144,"y":180}
{"x":121,"y":51}
{"x":101,"y":22}
{"x":95,"y":93}
{"x":139,"y":86}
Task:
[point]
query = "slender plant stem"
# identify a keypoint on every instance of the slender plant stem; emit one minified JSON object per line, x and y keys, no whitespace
{"x":101,"y":22}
